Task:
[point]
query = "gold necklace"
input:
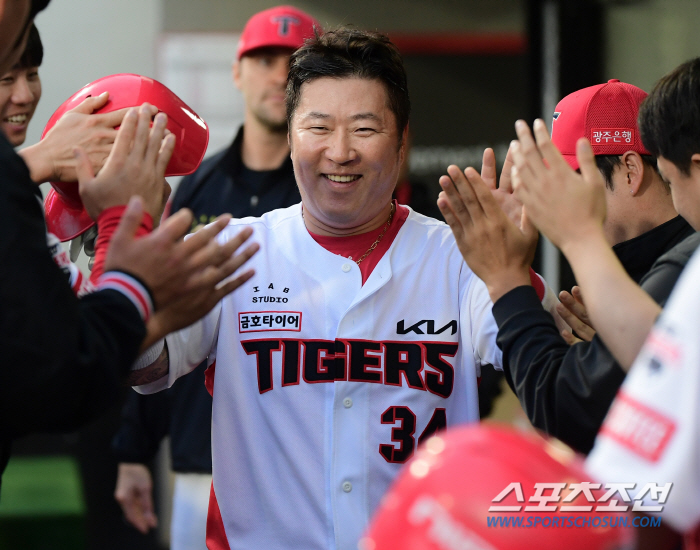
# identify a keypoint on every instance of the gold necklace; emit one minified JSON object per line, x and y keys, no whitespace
{"x":379,"y":238}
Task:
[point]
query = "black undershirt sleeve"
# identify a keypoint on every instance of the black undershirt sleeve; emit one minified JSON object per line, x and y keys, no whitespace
{"x":566,"y":391}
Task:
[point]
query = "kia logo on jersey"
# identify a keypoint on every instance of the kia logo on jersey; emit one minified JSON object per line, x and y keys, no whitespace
{"x":429,"y":327}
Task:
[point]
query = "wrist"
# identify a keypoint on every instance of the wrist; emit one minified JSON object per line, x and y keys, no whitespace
{"x":149,"y":355}
{"x":156,"y":330}
{"x":40,"y":170}
{"x":586,"y":240}
{"x":107,"y":223}
{"x":108,"y":220}
{"x":506,"y":281}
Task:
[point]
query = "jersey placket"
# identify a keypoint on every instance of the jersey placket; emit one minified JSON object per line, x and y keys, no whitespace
{"x":350,"y":431}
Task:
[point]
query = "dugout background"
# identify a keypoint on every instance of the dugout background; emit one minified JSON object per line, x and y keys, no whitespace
{"x":474,"y":65}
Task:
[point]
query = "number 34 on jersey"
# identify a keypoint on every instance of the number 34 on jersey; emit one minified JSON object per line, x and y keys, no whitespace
{"x":419,"y":365}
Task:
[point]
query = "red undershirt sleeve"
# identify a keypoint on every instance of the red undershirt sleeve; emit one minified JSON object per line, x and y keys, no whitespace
{"x":107,"y":224}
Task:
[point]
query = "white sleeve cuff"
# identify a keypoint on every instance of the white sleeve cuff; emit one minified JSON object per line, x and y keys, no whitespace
{"x":149,"y":356}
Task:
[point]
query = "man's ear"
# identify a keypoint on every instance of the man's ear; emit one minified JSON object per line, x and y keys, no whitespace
{"x":403,"y":147}
{"x":634,"y":166}
{"x":236,"y":73}
{"x":695,"y":160}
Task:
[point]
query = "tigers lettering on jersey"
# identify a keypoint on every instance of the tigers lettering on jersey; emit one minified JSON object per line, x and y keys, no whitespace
{"x":418,"y":365}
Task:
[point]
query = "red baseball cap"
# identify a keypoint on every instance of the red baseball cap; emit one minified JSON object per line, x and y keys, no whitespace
{"x":606,"y":115}
{"x":445,"y":497}
{"x":281,"y":27}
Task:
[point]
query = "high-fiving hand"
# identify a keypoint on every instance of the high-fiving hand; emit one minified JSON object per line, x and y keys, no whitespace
{"x":495,"y":248}
{"x":564,"y":205}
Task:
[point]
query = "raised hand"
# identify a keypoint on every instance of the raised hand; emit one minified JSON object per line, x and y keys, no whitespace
{"x":564,"y":205}
{"x":573,"y":311}
{"x":207,"y":286}
{"x":52,"y":159}
{"x":495,"y":248}
{"x":134,"y":493}
{"x":173,"y":267}
{"x":135,"y":166}
{"x":503,"y":192}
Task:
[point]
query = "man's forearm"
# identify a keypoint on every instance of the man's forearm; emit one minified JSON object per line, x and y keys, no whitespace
{"x":155,"y":371}
{"x":621,"y":311}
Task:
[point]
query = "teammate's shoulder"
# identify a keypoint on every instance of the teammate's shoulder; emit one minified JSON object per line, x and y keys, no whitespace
{"x":681,"y":252}
{"x":689,"y":245}
{"x":416,"y":217}
{"x":431,"y":227}
{"x":269,"y":220}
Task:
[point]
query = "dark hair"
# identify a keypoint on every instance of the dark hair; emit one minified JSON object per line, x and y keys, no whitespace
{"x":347,"y":52}
{"x":607,"y":164}
{"x":36,"y":7}
{"x":669,"y":119}
{"x":33,"y":53}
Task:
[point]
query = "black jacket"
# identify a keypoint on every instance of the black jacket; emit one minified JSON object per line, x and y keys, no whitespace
{"x":566,"y":390}
{"x":63,"y":359}
{"x":184,"y":411}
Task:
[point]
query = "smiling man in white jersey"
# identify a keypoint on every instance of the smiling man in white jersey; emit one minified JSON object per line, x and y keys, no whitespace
{"x":362,"y":333}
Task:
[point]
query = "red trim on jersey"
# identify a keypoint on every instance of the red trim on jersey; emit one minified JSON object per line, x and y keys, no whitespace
{"x":643,"y":430}
{"x":537,"y":283}
{"x":107,"y":223}
{"x":356,"y":245}
{"x":209,"y":373}
{"x":77,"y":285}
{"x":216,"y":533}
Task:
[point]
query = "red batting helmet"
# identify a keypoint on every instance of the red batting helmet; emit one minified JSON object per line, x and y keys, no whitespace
{"x":65,"y":215}
{"x":441,"y":500}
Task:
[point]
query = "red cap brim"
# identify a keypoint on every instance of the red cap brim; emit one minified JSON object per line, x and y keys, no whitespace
{"x":571,"y":160}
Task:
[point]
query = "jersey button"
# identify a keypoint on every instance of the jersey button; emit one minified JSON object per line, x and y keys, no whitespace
{"x":346,"y":268}
{"x":347,"y":486}
{"x":254,"y":200}
{"x":347,"y":402}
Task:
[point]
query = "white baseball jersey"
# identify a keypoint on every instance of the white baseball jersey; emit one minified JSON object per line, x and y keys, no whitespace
{"x":79,"y":284}
{"x":651,"y":434}
{"x":323,"y":386}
